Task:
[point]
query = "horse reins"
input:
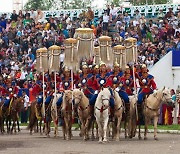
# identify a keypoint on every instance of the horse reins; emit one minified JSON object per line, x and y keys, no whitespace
{"x":80,"y":107}
{"x":103,"y":107}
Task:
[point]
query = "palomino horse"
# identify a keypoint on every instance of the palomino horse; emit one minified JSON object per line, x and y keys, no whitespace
{"x":152,"y":108}
{"x":54,"y":113}
{"x":101,"y":111}
{"x":15,"y":108}
{"x":67,"y":114}
{"x":81,"y":102}
{"x":131,"y":117}
{"x":118,"y":107}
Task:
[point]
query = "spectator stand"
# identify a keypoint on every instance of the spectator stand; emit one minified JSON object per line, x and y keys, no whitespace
{"x":146,"y":10}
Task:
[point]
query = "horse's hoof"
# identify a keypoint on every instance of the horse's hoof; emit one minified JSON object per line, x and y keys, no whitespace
{"x":130,"y":136}
{"x":80,"y":134}
{"x":126,"y":137}
{"x":155,"y":138}
{"x":105,"y":140}
{"x":140,"y":138}
{"x":145,"y":138}
{"x":48,"y":136}
{"x":117,"y":139}
{"x":100,"y":142}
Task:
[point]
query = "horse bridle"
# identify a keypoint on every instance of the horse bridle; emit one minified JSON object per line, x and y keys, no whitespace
{"x":105,"y":107}
{"x":80,"y":108}
{"x":157,"y":99}
{"x":164,"y":94}
{"x":78,"y":98}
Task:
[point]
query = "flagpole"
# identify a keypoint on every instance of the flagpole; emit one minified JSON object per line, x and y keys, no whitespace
{"x":43,"y":96}
{"x":72,"y":83}
{"x":55,"y":89}
{"x":134,"y":77}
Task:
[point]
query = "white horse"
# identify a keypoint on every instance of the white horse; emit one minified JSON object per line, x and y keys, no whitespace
{"x":81,"y":103}
{"x":54,"y":113}
{"x":101,"y":111}
{"x":152,"y":108}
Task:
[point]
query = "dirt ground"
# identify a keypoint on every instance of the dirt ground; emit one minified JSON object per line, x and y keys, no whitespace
{"x":23,"y":143}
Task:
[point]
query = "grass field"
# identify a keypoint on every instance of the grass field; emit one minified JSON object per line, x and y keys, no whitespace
{"x":161,"y":127}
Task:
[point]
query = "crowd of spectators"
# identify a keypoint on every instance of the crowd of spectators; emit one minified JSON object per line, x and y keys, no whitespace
{"x":24,"y":32}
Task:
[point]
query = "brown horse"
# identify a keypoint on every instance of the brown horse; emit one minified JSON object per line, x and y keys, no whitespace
{"x":35,"y":116}
{"x":81,"y":103}
{"x":5,"y":116}
{"x":67,"y":114}
{"x":15,"y":108}
{"x":1,"y":118}
{"x":48,"y":118}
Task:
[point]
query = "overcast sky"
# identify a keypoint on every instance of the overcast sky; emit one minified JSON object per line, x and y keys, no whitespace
{"x":6,"y":5}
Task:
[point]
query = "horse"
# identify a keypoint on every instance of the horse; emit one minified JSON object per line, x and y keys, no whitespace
{"x":81,"y":103}
{"x":1,"y":118}
{"x":55,"y":113}
{"x":151,"y":108}
{"x":48,"y":118}
{"x":101,"y":111}
{"x":118,"y":111}
{"x":35,"y":115}
{"x":67,"y":114}
{"x":5,"y":116}
{"x":15,"y":108}
{"x":131,"y":117}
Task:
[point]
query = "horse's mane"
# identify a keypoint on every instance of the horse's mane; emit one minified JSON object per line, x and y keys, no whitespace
{"x":102,"y":91}
{"x":84,"y":98}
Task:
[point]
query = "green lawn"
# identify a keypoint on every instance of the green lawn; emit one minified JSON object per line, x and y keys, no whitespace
{"x":162,"y":127}
{"x":166,"y":127}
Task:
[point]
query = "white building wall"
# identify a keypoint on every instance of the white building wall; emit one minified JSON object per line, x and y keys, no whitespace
{"x":164,"y":74}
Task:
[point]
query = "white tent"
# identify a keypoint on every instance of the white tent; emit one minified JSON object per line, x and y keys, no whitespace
{"x":165,"y":74}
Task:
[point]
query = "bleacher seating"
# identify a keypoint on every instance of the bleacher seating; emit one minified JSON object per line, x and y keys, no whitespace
{"x":148,"y":10}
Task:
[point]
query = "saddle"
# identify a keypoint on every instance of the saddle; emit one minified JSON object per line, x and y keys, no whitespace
{"x":59,"y":102}
{"x":48,"y":100}
{"x":7,"y":102}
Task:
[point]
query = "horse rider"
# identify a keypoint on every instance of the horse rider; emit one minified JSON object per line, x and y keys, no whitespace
{"x":103,"y":80}
{"x":85,"y":81}
{"x":88,"y":82}
{"x":116,"y":75}
{"x":36,"y":87}
{"x":49,"y":94}
{"x":65,"y":84}
{"x":8,"y":99}
{"x":147,"y":85}
{"x":126,"y":86}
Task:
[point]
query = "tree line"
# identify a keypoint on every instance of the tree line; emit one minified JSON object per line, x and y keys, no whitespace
{"x":79,"y":4}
